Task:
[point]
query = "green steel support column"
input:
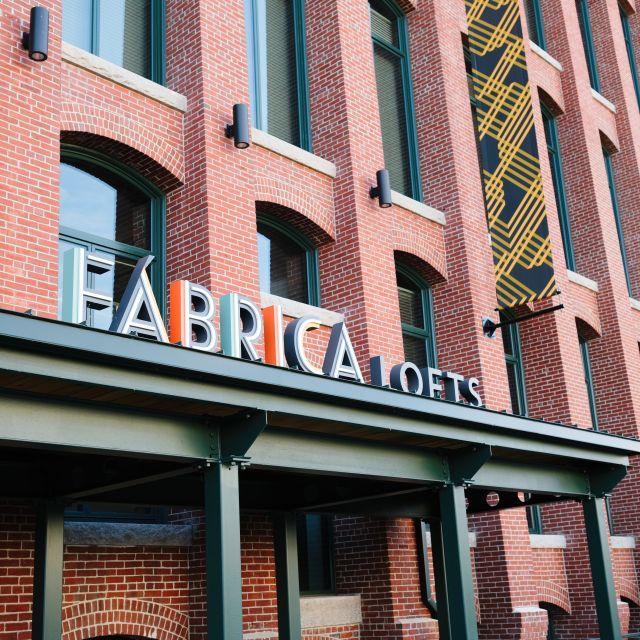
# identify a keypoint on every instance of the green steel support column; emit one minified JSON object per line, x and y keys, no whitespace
{"x":457,"y":564}
{"x":47,"y":572}
{"x":440,"y":578}
{"x":287,"y":580}
{"x":223,"y":570}
{"x":601,"y":571}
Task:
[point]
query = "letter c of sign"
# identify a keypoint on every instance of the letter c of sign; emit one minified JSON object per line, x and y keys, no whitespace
{"x":294,"y":349}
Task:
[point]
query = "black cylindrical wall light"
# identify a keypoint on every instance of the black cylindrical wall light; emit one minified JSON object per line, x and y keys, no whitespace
{"x":239,"y":130}
{"x":382,"y":190}
{"x":37,"y":40}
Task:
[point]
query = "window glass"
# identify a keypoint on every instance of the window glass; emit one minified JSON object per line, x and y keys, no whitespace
{"x":103,"y":212}
{"x":125,"y":32}
{"x":278,"y":69}
{"x":391,"y":61}
{"x":414,"y":298}
{"x":283,"y":265}
{"x":584,"y":21}
{"x":534,"y":22}
{"x":631,"y":55}
{"x":315,"y":553}
{"x":513,"y":361}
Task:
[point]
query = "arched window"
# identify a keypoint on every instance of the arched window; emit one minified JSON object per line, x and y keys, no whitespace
{"x":111,"y":212}
{"x":416,"y":315}
{"x":288,"y":262}
{"x":395,"y":98}
{"x":129,"y":33}
{"x":278,"y":84}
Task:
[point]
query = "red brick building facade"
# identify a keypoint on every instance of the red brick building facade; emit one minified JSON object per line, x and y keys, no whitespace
{"x":173,"y":137}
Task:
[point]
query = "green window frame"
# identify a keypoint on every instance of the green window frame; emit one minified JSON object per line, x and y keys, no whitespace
{"x":157,"y":200}
{"x":611,"y":179}
{"x":534,"y":519}
{"x":588,"y":380}
{"x":301,"y":241}
{"x":533,"y":13}
{"x":390,"y":37}
{"x":275,"y":64}
{"x":557,"y":175}
{"x":92,"y":35}
{"x":513,"y":360}
{"x":628,"y":41}
{"x":425,"y":333}
{"x":586,"y":32}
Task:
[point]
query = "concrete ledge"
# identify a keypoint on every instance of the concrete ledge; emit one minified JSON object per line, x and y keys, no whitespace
{"x":623,"y":542}
{"x":125,"y":534}
{"x":420,"y":208}
{"x":635,"y":304}
{"x":85,"y":60}
{"x":330,"y":611}
{"x":603,"y":101}
{"x":282,"y":148}
{"x":582,"y":281}
{"x":296,"y":309}
{"x":544,"y":55}
{"x":548,"y":541}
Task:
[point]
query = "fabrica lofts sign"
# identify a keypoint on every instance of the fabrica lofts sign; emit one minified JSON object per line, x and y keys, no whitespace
{"x":241,"y":325}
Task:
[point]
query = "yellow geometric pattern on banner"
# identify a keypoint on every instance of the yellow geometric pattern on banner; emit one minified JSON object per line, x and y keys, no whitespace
{"x":505,"y":114}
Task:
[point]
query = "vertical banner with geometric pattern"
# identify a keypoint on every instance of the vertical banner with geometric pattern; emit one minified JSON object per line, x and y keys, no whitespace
{"x":511,"y":175}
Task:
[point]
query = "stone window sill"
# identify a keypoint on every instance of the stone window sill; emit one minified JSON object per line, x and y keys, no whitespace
{"x":598,"y":97}
{"x":420,"y":208}
{"x":330,"y":611}
{"x":582,"y":281}
{"x":548,"y":541}
{"x":538,"y":50}
{"x":105,"y":69}
{"x":287,"y":150}
{"x":125,"y":534}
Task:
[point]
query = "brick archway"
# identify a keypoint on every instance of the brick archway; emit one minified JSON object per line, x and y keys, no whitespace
{"x":124,"y":617}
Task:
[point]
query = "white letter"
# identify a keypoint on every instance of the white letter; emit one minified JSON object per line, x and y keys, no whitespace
{"x":340,"y":359}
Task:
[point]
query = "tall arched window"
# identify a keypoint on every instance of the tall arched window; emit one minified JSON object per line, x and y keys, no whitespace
{"x":416,"y":315}
{"x":129,"y":33}
{"x":288,"y":262}
{"x":395,"y":98}
{"x":112,"y":212}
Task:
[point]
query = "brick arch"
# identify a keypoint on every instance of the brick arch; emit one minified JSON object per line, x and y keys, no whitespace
{"x":133,"y":142}
{"x":112,"y":616}
{"x":628,"y":590}
{"x":554,"y":594}
{"x":424,"y":269}
{"x":428,"y":249}
{"x":305,"y":210}
{"x":587,"y":326}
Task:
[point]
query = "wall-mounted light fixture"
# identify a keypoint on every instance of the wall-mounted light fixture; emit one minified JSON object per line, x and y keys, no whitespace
{"x":382,"y":190}
{"x":36,"y":41}
{"x":239,"y":130}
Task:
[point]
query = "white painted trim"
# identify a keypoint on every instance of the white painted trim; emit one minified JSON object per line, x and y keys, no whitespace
{"x":105,"y":69}
{"x":295,"y":309}
{"x":530,"y":609}
{"x":330,"y":611}
{"x":544,"y":55}
{"x":623,"y":542}
{"x":473,"y":539}
{"x":607,"y":104}
{"x":548,"y":541}
{"x":635,"y":304}
{"x":282,"y":148}
{"x":582,"y":281}
{"x":420,"y":208}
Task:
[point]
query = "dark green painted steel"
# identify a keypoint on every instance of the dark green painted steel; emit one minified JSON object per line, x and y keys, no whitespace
{"x":78,"y":355}
{"x":601,"y":569}
{"x":47,"y":572}
{"x":603,"y":479}
{"x":457,"y":563}
{"x":237,"y":433}
{"x":440,"y":578}
{"x":223,"y":565}
{"x":96,"y":429}
{"x":285,"y":538}
{"x":613,"y":192}
{"x":465,"y":464}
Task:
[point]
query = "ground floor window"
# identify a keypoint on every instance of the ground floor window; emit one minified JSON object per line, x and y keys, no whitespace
{"x":315,"y":553}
